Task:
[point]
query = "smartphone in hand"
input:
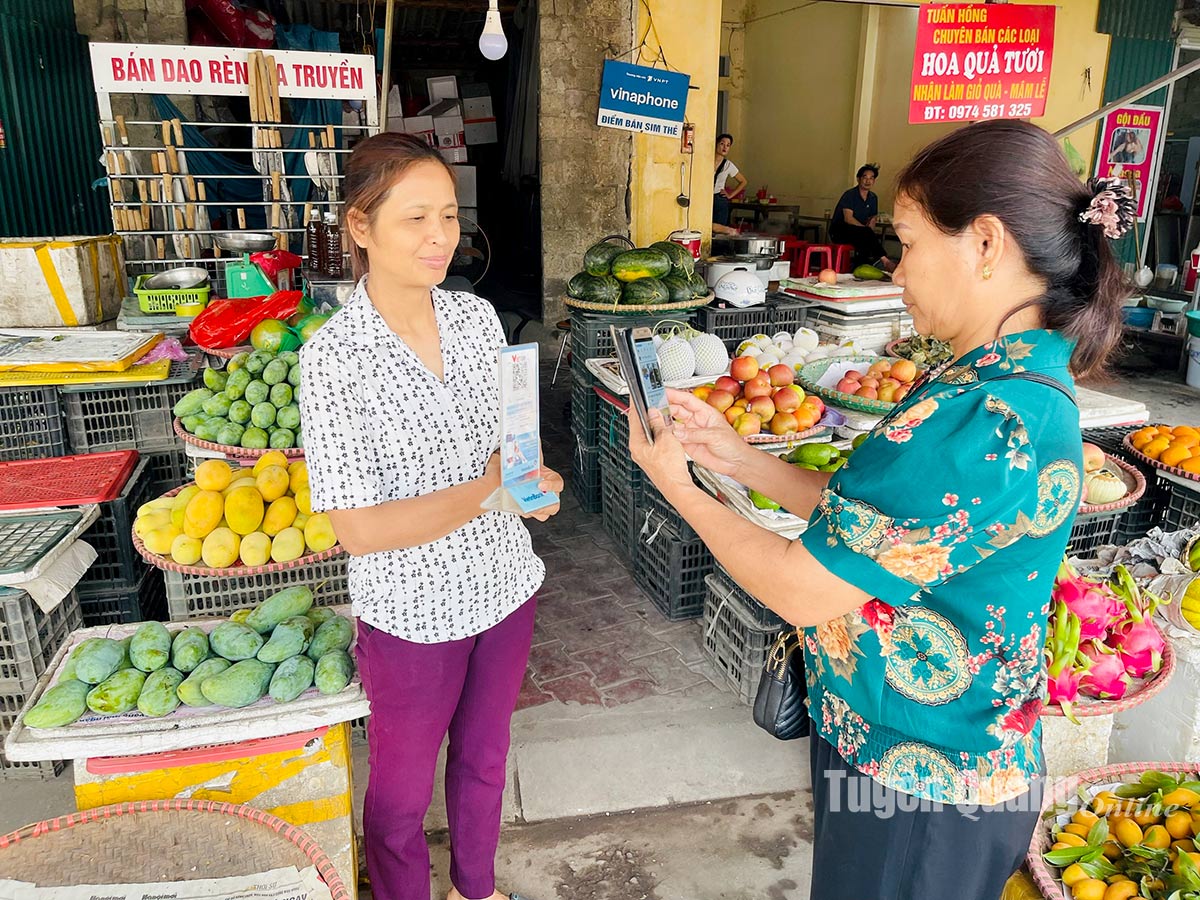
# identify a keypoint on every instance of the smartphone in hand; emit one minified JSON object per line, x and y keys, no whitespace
{"x":638,"y":360}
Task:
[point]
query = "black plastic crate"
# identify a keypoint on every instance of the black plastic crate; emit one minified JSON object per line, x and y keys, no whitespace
{"x":614,"y":450}
{"x":31,"y":423}
{"x":1093,"y":530}
{"x":168,"y":469}
{"x":585,"y":478}
{"x":121,"y":418}
{"x":734,"y":642}
{"x":733,"y":326}
{"x":619,"y":513}
{"x":145,"y":601}
{"x":655,"y":501}
{"x":1182,"y":507}
{"x":730,"y":590}
{"x":788,"y":316}
{"x":591,"y":339}
{"x":118,"y":566}
{"x":29,"y":638}
{"x":1147,"y":513}
{"x":585,"y":409}
{"x":671,"y":571}
{"x":10,"y":705}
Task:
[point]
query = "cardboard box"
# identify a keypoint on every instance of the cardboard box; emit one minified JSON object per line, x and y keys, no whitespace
{"x":478,"y":108}
{"x":447,"y":123}
{"x":442,"y":88}
{"x":422,"y":126}
{"x":480,"y":131}
{"x":468,"y":184}
{"x":454,"y":155}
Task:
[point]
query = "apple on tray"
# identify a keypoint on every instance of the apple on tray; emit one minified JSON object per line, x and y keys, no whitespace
{"x":755,"y":400}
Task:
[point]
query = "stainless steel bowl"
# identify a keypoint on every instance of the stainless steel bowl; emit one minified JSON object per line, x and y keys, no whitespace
{"x":182,"y":279}
{"x":244,"y":241}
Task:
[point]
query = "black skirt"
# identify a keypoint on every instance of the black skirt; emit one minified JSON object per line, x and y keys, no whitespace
{"x":869,"y":844}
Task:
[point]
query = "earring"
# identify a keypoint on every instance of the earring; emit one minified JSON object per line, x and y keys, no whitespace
{"x":987,"y":271}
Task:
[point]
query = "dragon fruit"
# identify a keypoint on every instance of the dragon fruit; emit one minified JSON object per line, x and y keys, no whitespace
{"x":711,"y":357}
{"x":1139,"y":646}
{"x":1097,"y":607}
{"x":1104,"y":676}
{"x":676,"y":359}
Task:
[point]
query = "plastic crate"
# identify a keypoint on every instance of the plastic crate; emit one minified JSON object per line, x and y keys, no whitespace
{"x":145,"y":601}
{"x":118,"y":566}
{"x":671,"y":571}
{"x":585,"y":478}
{"x":788,"y":316}
{"x":31,"y":423}
{"x":1148,"y":511}
{"x":29,"y":638}
{"x":10,"y":706}
{"x":585,"y":410}
{"x":590,"y":337}
{"x":1182,"y":506}
{"x":733,"y":326}
{"x":733,"y":642}
{"x":197,"y":596}
{"x":118,"y":418}
{"x":166,"y":301}
{"x":614,"y":450}
{"x":655,"y":501}
{"x":619,"y":515}
{"x":730,"y":590}
{"x":167,"y":469}
{"x":1093,"y":530}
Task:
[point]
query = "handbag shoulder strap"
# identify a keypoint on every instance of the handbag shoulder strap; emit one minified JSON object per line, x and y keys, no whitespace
{"x":1039,"y":378}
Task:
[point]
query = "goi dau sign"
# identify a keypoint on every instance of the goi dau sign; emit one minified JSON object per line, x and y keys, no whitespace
{"x":976,"y":62}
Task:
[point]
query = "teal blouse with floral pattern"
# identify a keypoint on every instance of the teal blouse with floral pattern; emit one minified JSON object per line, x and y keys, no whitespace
{"x":953,"y":515}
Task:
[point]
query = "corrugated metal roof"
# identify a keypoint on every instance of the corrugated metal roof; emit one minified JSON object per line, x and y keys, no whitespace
{"x":53,"y":13}
{"x":1133,"y":62}
{"x":1146,"y":19}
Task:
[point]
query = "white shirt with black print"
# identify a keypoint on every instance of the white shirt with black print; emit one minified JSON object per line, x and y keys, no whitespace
{"x":379,"y":426}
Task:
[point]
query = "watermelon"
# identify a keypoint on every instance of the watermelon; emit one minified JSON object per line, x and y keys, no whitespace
{"x":678,"y":287}
{"x":598,"y":258}
{"x":699,"y":285}
{"x":593,"y":289}
{"x":682,"y":263}
{"x":634,"y":264}
{"x":645,"y":292}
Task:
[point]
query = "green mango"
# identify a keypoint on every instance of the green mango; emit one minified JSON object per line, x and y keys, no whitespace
{"x":257,"y":392}
{"x":292,"y":678}
{"x":868,"y":273}
{"x":294,"y":375}
{"x":255,"y":438}
{"x":61,"y":705}
{"x":320,"y":615}
{"x":208,"y":431}
{"x":150,"y":649}
{"x":281,"y":394}
{"x":215,"y":379}
{"x":191,"y":403}
{"x":275,"y":372}
{"x":282,"y":439}
{"x":159,"y":694}
{"x":238,"y":362}
{"x":189,"y":649}
{"x":762,"y":501}
{"x":257,"y":361}
{"x":336,"y":634}
{"x":97,"y":658}
{"x":279,"y":607}
{"x":291,"y":357}
{"x":235,"y":387}
{"x":288,"y":417}
{"x":263,"y":414}
{"x":217,"y":405}
{"x":334,"y":671}
{"x":118,"y":693}
{"x":240,"y":685}
{"x":230,"y":434}
{"x":191,"y":423}
{"x":291,"y":637}
{"x":235,"y":641}
{"x":189,"y":689}
{"x":239,"y":412}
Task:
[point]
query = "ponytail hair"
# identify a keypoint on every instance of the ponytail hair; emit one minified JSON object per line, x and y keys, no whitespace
{"x":1016,"y":172}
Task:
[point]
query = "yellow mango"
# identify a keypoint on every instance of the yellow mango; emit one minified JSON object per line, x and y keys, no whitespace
{"x":203,"y":514}
{"x":220,"y":548}
{"x":1122,"y":890}
{"x":1085,"y":817}
{"x":298,"y":475}
{"x":1128,"y":832}
{"x":287,"y":545}
{"x":156,"y":518}
{"x":300,"y":521}
{"x":272,"y":482}
{"x":1089,"y":889}
{"x":1076,"y":828}
{"x":239,"y":482}
{"x":281,"y":514}
{"x":244,"y":510}
{"x":1181,"y":797}
{"x":158,"y":540}
{"x":186,"y":550}
{"x":318,"y":533}
{"x":1073,"y":874}
{"x":1071,"y":840}
{"x":256,"y":549}
{"x":156,"y":504}
{"x":1156,"y":837}
{"x":213,"y":475}
{"x":304,"y":501}
{"x":270,"y":458}
{"x":181,"y":500}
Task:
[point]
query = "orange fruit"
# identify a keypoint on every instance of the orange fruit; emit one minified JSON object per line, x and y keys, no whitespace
{"x":1191,"y":465}
{"x":1163,"y":430}
{"x":1140,"y":442}
{"x":1185,"y":430}
{"x":1174,"y":455}
{"x":1156,"y":447}
{"x":1185,"y":440}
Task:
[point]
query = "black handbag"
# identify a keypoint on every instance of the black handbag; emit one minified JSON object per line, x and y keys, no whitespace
{"x":779,"y":707}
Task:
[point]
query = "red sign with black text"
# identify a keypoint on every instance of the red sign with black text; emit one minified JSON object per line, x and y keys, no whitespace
{"x":978,"y":61}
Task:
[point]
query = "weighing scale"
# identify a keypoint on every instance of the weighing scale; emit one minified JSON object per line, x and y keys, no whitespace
{"x":244,"y":278}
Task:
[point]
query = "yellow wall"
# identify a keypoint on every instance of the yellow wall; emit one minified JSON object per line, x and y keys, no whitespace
{"x":689,"y":31}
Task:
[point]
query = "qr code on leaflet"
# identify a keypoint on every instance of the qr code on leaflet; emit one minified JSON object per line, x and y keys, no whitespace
{"x":520,"y":374}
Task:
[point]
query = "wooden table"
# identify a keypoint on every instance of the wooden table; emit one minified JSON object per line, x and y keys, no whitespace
{"x":762,"y":210}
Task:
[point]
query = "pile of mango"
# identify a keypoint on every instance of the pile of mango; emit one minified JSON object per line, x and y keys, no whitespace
{"x":254,"y":403}
{"x":1140,"y":840}
{"x":258,"y":515}
{"x":280,"y":648}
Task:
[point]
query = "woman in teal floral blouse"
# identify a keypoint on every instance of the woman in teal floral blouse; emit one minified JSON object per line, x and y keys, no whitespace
{"x":923,"y":580}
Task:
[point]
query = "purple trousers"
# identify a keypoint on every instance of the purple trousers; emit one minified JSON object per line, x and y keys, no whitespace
{"x":418,"y":692}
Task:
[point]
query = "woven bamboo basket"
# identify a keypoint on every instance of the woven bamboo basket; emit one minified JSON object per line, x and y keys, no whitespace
{"x":1134,"y":480}
{"x":236,"y":452}
{"x":1174,"y":470}
{"x":1140,"y":692}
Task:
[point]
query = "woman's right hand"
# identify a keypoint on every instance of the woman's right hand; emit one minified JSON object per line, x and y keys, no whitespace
{"x":705,"y":434}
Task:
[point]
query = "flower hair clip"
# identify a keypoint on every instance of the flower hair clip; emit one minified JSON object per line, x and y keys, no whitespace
{"x":1112,"y":206}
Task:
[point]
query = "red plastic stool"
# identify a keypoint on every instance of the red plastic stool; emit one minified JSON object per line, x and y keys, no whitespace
{"x":792,"y":251}
{"x":811,"y":255}
{"x":843,"y":254}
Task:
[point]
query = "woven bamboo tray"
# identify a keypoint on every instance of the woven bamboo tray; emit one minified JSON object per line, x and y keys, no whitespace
{"x":1174,"y":470}
{"x":625,"y":309}
{"x":161,"y":840}
{"x":1141,"y":691}
{"x":1134,"y":480}
{"x":814,"y":371}
{"x":1063,"y":794}
{"x":240,"y":452}
{"x":227,"y":352}
{"x":235,"y":571}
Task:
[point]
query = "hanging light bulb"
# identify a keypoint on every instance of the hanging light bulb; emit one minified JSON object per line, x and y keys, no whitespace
{"x":492,"y":43}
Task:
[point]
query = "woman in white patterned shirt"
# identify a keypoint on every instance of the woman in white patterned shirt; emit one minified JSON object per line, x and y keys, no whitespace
{"x":402,"y":432}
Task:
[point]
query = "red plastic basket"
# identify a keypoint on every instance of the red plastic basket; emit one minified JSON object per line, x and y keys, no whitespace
{"x":65,"y":480}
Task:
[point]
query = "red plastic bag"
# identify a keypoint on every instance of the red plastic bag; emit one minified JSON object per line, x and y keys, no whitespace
{"x":238,"y":26}
{"x":272,"y":262}
{"x":228,"y":323}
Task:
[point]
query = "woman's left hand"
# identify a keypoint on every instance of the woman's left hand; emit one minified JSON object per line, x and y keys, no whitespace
{"x":663,"y":461}
{"x":551,"y":482}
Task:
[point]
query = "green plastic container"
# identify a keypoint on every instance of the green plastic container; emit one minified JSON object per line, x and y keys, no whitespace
{"x":1193,"y":323}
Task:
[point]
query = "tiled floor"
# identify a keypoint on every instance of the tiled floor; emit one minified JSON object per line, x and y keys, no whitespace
{"x":598,"y":640}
